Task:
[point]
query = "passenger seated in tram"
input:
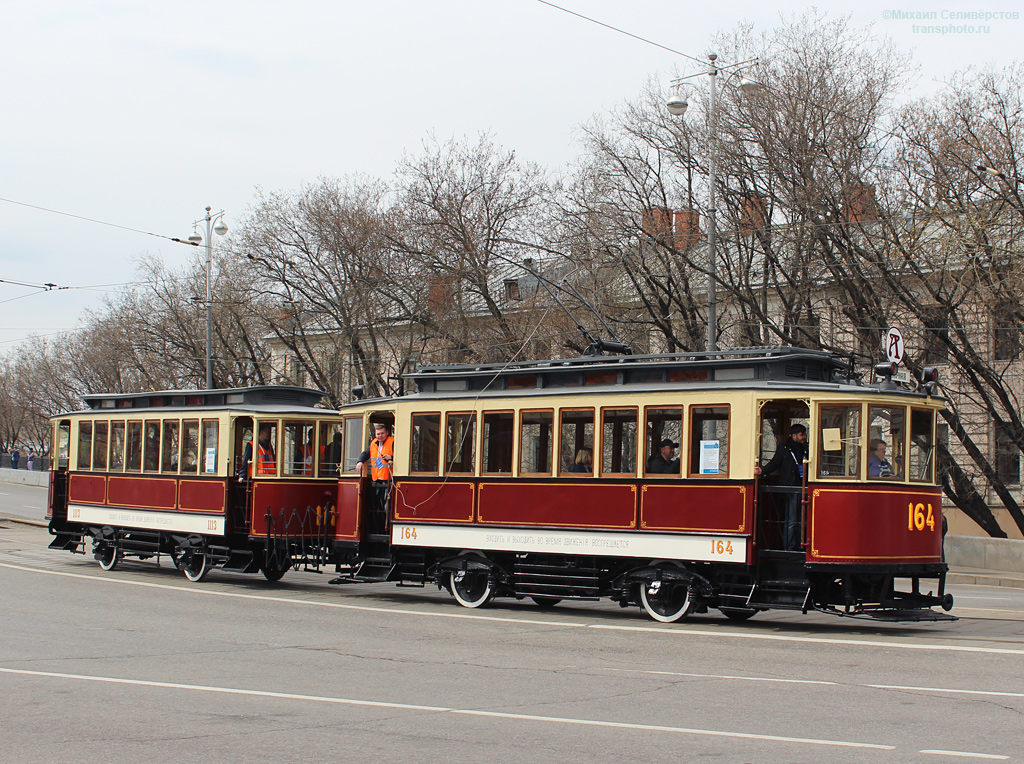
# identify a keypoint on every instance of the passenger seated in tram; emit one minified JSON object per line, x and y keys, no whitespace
{"x":584,"y":462}
{"x":663,"y":462}
{"x":878,"y":465}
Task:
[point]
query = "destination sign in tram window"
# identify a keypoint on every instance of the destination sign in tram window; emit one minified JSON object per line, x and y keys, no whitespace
{"x":709,"y":441}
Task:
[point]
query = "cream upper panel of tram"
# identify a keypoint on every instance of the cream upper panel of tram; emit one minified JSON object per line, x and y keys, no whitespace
{"x":743,"y":407}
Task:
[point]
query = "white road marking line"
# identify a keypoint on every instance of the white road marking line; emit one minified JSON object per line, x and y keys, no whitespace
{"x":728,"y":676}
{"x":815,"y":640}
{"x":950,"y":691}
{"x":458,"y":711}
{"x":677,"y":630}
{"x":946,"y":690}
{"x":967,"y":754}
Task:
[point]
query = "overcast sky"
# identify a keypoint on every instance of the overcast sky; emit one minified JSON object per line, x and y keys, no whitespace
{"x":142,"y":113}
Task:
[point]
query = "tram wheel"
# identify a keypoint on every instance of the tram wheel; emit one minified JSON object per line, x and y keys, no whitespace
{"x":665,"y":601}
{"x":738,"y":613}
{"x":471,"y":588}
{"x":546,"y":603}
{"x":108,"y":556}
{"x":274,"y":571}
{"x":195,"y":565}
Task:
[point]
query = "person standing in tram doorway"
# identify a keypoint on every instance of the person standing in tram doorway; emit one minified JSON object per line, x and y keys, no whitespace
{"x":266,"y":463}
{"x":380,"y":456}
{"x":789,"y":462}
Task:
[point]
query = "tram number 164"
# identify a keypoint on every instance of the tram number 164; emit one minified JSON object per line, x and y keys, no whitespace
{"x":918,"y":518}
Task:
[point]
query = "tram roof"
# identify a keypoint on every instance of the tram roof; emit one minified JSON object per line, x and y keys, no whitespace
{"x":745,"y":366}
{"x":277,"y":398}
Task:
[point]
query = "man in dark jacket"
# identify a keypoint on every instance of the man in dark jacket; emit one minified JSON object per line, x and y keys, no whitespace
{"x":789,"y":463}
{"x":664,"y":462}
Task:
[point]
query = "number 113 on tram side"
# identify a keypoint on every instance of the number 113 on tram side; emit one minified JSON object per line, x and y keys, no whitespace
{"x":637,"y":478}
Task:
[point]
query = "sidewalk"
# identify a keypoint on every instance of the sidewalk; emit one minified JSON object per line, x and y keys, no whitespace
{"x":983,"y":577}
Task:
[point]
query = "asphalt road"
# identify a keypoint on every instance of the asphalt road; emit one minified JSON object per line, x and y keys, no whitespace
{"x":140,"y":665}
{"x":23,"y":501}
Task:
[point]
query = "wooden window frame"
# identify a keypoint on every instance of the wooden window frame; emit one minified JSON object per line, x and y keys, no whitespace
{"x":593,"y":445}
{"x":512,"y":445}
{"x":683,"y":451}
{"x":689,"y":440}
{"x":440,"y":445}
{"x":476,"y":438}
{"x":553,"y":450}
{"x":600,"y":448}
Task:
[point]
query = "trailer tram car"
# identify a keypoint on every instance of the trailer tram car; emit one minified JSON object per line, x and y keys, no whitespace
{"x":181,"y":473}
{"x":492,"y":493}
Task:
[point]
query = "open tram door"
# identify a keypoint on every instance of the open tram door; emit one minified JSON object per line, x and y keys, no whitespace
{"x":376,"y":491}
{"x":239,"y":484}
{"x":781,"y":514}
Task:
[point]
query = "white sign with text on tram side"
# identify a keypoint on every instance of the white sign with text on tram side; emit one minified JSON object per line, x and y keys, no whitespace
{"x":641,"y":544}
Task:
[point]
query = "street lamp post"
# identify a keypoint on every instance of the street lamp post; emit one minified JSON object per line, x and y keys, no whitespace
{"x":214,"y":225}
{"x":677,"y":105}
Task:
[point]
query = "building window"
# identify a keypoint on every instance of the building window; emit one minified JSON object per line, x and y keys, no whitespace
{"x":935,"y":342}
{"x":1007,"y":456}
{"x":1006,"y":333}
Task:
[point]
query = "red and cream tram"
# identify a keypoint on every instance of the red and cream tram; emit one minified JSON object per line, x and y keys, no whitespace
{"x":538,"y":480}
{"x":242,"y":479}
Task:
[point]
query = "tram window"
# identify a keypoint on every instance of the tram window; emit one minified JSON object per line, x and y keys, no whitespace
{"x":99,"y":445}
{"x":354,"y":443}
{"x":497,"y":454}
{"x":886,"y":428}
{"x":709,"y":440}
{"x":169,"y":455}
{"x":536,"y":434}
{"x":426,"y":443}
{"x":663,"y":424}
{"x":576,"y":442}
{"x":460,"y":442}
{"x":298,"y":448}
{"x":211,"y":436}
{"x":190,"y":446}
{"x":63,"y":444}
{"x":838,"y":458}
{"x":330,"y":448}
{"x":84,"y":445}
{"x":618,"y":441}
{"x":151,"y":447}
{"x":117,"y":446}
{"x":134,"y":438}
{"x":921,"y":465}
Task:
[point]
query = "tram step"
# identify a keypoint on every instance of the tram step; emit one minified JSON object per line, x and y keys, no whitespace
{"x":380,"y":538}
{"x":66,"y":541}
